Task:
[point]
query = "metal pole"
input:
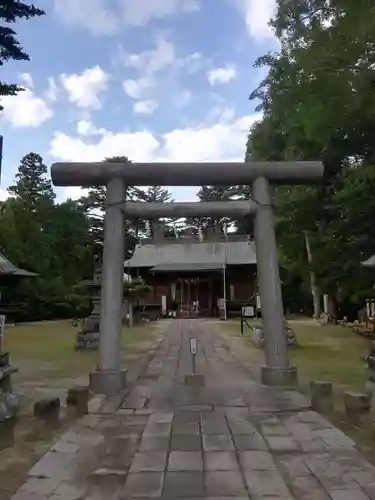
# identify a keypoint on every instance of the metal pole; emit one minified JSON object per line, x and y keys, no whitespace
{"x":277,"y":370}
{"x":109,"y":378}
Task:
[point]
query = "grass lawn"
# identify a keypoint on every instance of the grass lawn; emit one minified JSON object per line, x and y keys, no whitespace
{"x":46,"y":349}
{"x":331,"y":353}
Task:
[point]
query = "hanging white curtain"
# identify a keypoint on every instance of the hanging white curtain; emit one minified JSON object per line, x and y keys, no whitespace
{"x":173,"y":291}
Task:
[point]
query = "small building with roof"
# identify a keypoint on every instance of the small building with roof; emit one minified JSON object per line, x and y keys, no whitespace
{"x":196,"y":276}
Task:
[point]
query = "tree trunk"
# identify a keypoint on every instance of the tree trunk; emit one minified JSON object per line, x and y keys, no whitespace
{"x":315,"y":292}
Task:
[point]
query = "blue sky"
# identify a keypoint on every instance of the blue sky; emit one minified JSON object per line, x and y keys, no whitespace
{"x":150,"y":79}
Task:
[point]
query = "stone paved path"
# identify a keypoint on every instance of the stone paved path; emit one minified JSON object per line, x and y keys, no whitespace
{"x":231,"y":439}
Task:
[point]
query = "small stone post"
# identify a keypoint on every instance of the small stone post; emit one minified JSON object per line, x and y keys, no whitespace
{"x":8,"y":401}
{"x":321,"y":396}
{"x":357,"y":406}
{"x":78,"y":398}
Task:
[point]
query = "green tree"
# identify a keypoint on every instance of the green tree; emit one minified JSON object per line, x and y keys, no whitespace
{"x":212,"y":193}
{"x":153,"y":194}
{"x":318,"y":103}
{"x":10,"y":48}
{"x":47,"y":238}
{"x":33,"y":186}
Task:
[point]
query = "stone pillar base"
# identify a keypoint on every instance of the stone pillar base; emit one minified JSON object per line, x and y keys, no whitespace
{"x":107,"y":382}
{"x":279,"y":376}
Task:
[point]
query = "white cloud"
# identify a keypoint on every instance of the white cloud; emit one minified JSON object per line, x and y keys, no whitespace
{"x":84,"y":89}
{"x":25,"y":110}
{"x":145,"y":107}
{"x":152,"y":60}
{"x":221,"y":75}
{"x":183,"y":98}
{"x":220,"y":141}
{"x":52,"y":91}
{"x":136,"y":88}
{"x":156,"y":68}
{"x":192,"y":62}
{"x":27,"y":79}
{"x":141,"y":12}
{"x":148,"y":63}
{"x":4,"y":195}
{"x":139,"y":146}
{"x":100,"y":17}
{"x":257,"y":14}
{"x":87,"y":128}
{"x":93,"y":15}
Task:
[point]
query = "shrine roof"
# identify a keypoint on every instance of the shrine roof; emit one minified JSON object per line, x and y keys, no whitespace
{"x":193,"y":254}
{"x":369,"y":262}
{"x":7,"y":268}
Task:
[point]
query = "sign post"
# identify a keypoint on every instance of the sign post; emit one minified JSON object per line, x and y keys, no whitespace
{"x":194,"y":379}
{"x":193,"y":352}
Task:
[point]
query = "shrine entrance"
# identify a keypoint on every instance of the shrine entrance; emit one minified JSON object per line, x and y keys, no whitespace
{"x":110,"y":377}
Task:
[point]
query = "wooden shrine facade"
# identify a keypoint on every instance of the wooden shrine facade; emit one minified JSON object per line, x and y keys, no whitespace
{"x":195,"y":278}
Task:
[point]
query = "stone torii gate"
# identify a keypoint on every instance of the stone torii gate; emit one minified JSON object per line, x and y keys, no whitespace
{"x":110,"y":377}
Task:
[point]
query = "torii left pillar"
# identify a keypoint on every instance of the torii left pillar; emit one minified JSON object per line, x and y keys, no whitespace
{"x":109,"y":377}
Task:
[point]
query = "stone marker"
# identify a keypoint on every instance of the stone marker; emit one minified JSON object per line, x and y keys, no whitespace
{"x":321,"y":396}
{"x":78,"y":397}
{"x":357,"y":405}
{"x":47,"y":409}
{"x":9,"y":402}
{"x":89,"y":336}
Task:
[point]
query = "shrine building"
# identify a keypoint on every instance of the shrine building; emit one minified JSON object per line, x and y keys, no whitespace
{"x":211,"y":276}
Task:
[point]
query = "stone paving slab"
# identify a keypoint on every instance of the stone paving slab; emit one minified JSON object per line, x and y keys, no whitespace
{"x":231,"y":439}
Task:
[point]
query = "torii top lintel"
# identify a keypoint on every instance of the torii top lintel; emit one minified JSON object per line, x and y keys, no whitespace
{"x":186,"y":174}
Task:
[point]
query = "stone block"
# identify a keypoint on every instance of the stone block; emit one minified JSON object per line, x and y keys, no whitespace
{"x":185,"y":461}
{"x":144,"y":484}
{"x":194,"y":380}
{"x":321,"y":396}
{"x":357,"y":405}
{"x":220,"y":460}
{"x":78,"y":397}
{"x":47,"y":409}
{"x":217,"y":442}
{"x":250,"y":442}
{"x":186,"y":443}
{"x":257,"y":460}
{"x":224,"y":483}
{"x":188,"y":482}
{"x":149,"y":462}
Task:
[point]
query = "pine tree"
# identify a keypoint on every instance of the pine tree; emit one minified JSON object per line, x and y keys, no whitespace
{"x":10,"y":48}
{"x":32,"y":186}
